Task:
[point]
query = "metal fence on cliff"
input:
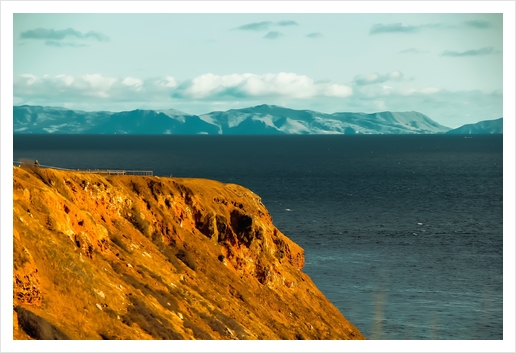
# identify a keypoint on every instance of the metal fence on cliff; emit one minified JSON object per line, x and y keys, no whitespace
{"x":31,"y":164}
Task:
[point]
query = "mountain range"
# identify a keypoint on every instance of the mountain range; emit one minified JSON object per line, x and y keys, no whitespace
{"x":258,"y":120}
{"x":482,"y":127}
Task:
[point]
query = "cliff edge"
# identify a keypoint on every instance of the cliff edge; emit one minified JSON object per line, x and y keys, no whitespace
{"x":133,"y":257}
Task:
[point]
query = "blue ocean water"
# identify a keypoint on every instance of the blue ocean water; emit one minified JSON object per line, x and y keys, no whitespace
{"x":402,"y":233}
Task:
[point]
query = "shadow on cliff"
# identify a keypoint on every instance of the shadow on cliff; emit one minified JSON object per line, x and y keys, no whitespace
{"x":37,"y":327}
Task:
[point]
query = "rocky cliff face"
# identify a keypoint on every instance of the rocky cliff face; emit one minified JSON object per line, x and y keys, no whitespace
{"x":127,"y":257}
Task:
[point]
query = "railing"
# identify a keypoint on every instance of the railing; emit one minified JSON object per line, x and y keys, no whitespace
{"x":90,"y":171}
{"x":116,"y":172}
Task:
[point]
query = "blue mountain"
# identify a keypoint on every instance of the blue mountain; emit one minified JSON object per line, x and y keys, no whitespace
{"x":261,"y":119}
{"x":482,"y":127}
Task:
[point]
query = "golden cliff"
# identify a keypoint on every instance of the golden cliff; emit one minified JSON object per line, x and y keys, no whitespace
{"x":131,"y":257}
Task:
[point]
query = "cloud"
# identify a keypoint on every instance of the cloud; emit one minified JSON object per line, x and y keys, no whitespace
{"x":251,"y":85}
{"x":97,"y":35}
{"x":255,"y":26}
{"x":393,"y":28}
{"x":375,"y":78}
{"x":273,"y":35}
{"x":472,"y":52}
{"x":167,"y":81}
{"x":265,"y":25}
{"x":53,"y":35}
{"x":400,"y":28}
{"x":392,"y":84}
{"x":55,"y":43}
{"x":65,"y":86}
{"x":413,"y":51}
{"x":43,"y":33}
{"x":132,"y":82}
{"x":478,"y":24}
{"x":314,"y":35}
{"x":335,"y":90}
{"x":287,"y":23}
{"x":99,"y":89}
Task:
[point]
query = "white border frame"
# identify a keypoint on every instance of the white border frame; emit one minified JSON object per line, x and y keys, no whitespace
{"x":8,"y":8}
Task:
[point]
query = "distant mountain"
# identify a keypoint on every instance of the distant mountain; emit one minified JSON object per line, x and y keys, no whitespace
{"x":262,"y":119}
{"x":482,"y":127}
{"x":278,"y":120}
{"x":41,"y":120}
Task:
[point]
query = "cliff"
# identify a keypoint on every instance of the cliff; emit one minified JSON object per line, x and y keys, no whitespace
{"x":132,"y":257}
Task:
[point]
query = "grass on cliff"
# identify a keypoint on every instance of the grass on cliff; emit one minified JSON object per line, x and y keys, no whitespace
{"x":20,"y":257}
{"x":72,"y":278}
{"x":117,"y":240}
{"x":187,"y":259}
{"x":139,"y":222}
{"x":47,"y":176}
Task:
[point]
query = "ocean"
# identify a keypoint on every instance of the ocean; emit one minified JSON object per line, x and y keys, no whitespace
{"x":403,"y":233}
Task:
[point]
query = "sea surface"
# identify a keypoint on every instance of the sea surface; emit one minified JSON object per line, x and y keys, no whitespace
{"x":402,"y":233}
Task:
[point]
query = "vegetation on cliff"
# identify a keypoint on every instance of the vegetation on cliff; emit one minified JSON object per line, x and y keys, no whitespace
{"x":127,"y":257}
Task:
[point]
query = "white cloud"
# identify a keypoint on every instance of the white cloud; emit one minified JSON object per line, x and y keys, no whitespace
{"x":133,"y":82}
{"x":335,"y":90}
{"x":282,"y":84}
{"x":97,"y":82}
{"x":67,"y":79}
{"x":29,"y":86}
{"x":30,"y":79}
{"x":375,"y":77}
{"x":288,"y":84}
{"x":246,"y":87}
{"x":167,"y":81}
{"x":395,"y":75}
{"x":367,"y":79}
{"x":209,"y":84}
{"x":208,"y":87}
{"x":391,"y":84}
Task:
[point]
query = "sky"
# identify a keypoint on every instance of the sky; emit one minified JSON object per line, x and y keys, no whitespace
{"x":446,"y":66}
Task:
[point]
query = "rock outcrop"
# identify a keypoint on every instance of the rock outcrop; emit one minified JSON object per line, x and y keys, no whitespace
{"x":132,"y":257}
